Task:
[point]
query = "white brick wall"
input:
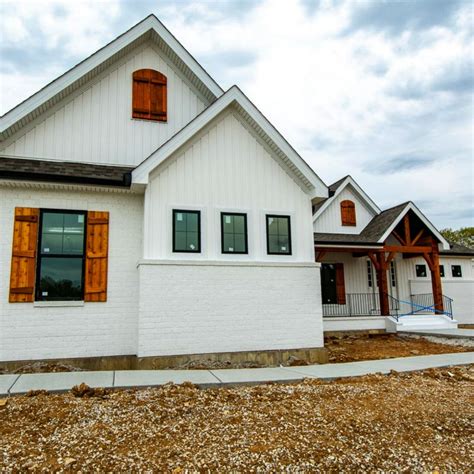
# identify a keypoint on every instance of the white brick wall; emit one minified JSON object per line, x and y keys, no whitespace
{"x":96,"y":329}
{"x":188,"y":308}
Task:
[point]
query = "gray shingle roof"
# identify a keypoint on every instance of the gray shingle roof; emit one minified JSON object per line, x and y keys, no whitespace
{"x":370,"y":234}
{"x":65,"y":172}
{"x":458,"y":249}
{"x":380,"y":223}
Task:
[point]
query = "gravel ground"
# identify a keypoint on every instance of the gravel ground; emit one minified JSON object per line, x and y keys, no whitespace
{"x":417,"y":422}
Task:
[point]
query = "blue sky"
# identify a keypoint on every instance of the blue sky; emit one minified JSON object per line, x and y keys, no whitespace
{"x":381,"y":90}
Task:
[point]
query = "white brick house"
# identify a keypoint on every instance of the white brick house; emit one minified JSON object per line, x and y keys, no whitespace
{"x":171,"y":220}
{"x":147,"y":213}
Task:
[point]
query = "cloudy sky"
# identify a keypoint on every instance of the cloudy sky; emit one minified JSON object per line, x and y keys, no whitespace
{"x":381,"y":90}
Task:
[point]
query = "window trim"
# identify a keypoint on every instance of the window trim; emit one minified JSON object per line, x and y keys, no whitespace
{"x":290,"y":246}
{"x":189,"y":211}
{"x":244,"y":215}
{"x":38,"y":295}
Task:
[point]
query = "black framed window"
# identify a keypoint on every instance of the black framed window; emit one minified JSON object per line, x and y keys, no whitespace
{"x":393,"y":274}
{"x":441,"y":270}
{"x":420,"y":270}
{"x":61,"y":250}
{"x":456,"y":271}
{"x":370,"y":275}
{"x":278,"y":235}
{"x":186,"y":231}
{"x":234,"y":233}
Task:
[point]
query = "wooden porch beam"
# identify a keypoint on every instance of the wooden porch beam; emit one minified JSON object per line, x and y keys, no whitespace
{"x":398,"y":237}
{"x":406,"y":225}
{"x":418,"y":236}
{"x":344,"y":249}
{"x":320,"y":256}
{"x":406,"y":249}
{"x":373,"y":259}
{"x":390,"y":257}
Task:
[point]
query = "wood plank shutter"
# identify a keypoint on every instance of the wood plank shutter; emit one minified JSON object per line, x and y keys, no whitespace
{"x":24,"y":247}
{"x":149,"y":95}
{"x":97,"y":246}
{"x":348,"y":216}
{"x":340,"y":284}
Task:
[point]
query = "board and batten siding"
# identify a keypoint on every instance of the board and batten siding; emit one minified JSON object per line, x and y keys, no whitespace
{"x":95,"y":123}
{"x":225,"y":168}
{"x":330,"y":220}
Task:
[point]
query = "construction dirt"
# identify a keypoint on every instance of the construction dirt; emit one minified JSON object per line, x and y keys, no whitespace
{"x":352,"y":347}
{"x":413,"y":422}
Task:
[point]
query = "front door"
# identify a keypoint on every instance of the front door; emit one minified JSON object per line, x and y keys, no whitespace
{"x":328,"y":283}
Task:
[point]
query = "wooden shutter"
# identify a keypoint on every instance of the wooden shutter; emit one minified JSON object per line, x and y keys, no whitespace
{"x":149,"y":95}
{"x":97,"y":246}
{"x":340,"y":285}
{"x":348,"y":216}
{"x":23,"y":266}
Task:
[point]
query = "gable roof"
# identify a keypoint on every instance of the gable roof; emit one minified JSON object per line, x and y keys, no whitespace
{"x":380,"y":227}
{"x":307,"y":178}
{"x":65,"y":172}
{"x":336,"y":188}
{"x":149,"y":28}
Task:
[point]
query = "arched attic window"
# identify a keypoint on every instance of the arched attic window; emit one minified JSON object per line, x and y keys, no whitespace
{"x":348,"y":213}
{"x":149,"y":95}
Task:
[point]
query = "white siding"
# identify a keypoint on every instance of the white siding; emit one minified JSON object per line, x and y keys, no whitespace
{"x":95,"y":329}
{"x":225,"y":168}
{"x":95,"y":124}
{"x":330,"y":220}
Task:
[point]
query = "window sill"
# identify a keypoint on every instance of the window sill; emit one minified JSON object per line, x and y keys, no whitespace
{"x":57,"y":304}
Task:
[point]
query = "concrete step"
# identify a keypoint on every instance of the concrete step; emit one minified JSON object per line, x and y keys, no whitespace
{"x":409,"y":322}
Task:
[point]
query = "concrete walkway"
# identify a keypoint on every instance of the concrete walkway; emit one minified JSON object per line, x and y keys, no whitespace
{"x":64,"y":381}
{"x":458,"y":333}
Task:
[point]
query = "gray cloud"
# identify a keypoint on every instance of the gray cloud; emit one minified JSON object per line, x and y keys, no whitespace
{"x":397,"y":164}
{"x":394,"y":17}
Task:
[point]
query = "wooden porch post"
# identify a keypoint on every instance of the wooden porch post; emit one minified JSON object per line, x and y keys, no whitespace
{"x":436,"y":277}
{"x":383,"y":285}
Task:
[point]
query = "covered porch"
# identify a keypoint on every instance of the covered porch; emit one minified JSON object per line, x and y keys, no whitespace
{"x":368,"y":274}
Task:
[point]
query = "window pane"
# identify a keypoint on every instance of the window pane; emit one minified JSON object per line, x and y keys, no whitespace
{"x":192,"y":241}
{"x":62,"y":233}
{"x":228,"y":223}
{"x":180,"y":241}
{"x":60,"y":278}
{"x":229,"y":245}
{"x":180,"y":221}
{"x":53,"y":222}
{"x":456,"y":270}
{"x":441,"y":270}
{"x":239,"y":243}
{"x":74,"y":224}
{"x":272,"y":225}
{"x":239,"y":224}
{"x":192,"y":222}
{"x":283,"y":226}
{"x":283,"y":244}
{"x":73,"y":244}
{"x":52,"y":243}
{"x":273,"y":246}
{"x":421,"y":270}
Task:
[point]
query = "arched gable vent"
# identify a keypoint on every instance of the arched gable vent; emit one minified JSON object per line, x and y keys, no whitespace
{"x":149,"y":95}
{"x":348,"y":214}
